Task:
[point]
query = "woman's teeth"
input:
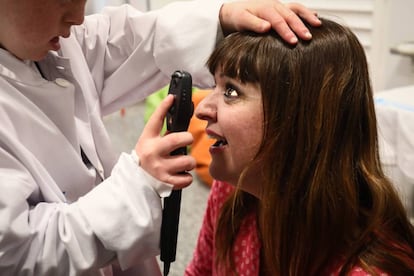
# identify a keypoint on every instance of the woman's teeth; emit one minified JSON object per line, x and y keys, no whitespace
{"x":220,"y":143}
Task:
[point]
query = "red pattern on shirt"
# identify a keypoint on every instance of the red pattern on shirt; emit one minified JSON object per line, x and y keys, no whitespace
{"x":246,"y":249}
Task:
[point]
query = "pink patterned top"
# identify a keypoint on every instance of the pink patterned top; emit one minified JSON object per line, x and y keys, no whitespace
{"x":246,"y":250}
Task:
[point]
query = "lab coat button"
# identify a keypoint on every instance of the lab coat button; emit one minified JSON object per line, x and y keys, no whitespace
{"x":100,"y":169}
{"x":62,"y":82}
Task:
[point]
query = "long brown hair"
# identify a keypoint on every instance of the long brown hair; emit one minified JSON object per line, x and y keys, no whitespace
{"x":324,"y":198}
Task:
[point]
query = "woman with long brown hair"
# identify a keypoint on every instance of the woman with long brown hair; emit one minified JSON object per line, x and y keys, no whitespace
{"x":299,"y":187}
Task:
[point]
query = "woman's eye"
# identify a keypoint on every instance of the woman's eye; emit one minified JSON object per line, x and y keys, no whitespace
{"x":230,"y":92}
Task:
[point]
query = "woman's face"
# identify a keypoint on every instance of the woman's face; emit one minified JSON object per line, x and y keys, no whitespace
{"x":31,"y":28}
{"x":234,"y":116}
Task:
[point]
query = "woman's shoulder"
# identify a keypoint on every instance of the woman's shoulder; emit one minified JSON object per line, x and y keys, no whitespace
{"x":357,"y":271}
{"x":220,"y":191}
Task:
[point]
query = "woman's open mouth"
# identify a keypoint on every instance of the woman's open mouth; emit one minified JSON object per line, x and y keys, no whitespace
{"x":220,"y":143}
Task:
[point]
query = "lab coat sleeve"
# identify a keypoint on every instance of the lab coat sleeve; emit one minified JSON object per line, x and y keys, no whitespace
{"x":132,"y":54}
{"x":120,"y":218}
{"x":125,"y":213}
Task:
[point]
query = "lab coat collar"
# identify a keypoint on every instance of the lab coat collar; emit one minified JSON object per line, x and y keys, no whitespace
{"x":21,"y":71}
{"x":53,"y":68}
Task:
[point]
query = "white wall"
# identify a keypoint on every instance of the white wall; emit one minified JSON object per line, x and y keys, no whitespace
{"x":380,"y":25}
{"x":394,"y":23}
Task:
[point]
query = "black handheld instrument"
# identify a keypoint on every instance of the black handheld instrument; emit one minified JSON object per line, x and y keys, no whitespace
{"x":178,"y":119}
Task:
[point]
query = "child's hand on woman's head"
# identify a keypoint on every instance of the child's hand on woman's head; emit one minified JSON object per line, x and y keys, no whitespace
{"x":154,"y":150}
{"x":262,"y":15}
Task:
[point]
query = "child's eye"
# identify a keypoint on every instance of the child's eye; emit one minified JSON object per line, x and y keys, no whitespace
{"x":230,"y":92}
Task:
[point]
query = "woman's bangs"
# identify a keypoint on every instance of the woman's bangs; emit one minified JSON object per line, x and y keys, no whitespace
{"x":235,"y":61}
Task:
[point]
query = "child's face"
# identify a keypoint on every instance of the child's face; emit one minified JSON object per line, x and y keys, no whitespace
{"x":30,"y":28}
{"x":234,"y":115}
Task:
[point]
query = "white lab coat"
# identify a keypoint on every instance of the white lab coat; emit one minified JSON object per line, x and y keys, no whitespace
{"x":54,"y":219}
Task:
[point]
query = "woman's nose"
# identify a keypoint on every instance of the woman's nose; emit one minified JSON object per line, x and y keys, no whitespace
{"x":207,"y":108}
